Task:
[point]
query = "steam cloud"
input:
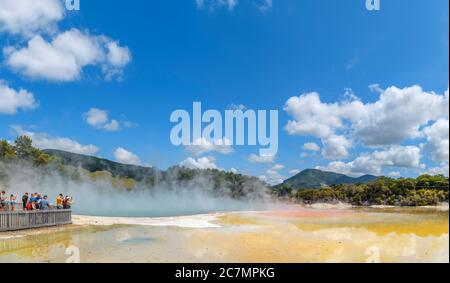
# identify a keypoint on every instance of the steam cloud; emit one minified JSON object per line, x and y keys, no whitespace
{"x":101,"y":198}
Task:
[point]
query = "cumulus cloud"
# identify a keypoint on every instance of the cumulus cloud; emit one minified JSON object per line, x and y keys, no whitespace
{"x":395,"y":174}
{"x":27,"y":17}
{"x":438,"y":140}
{"x":126,"y":157}
{"x":311,"y":146}
{"x":397,"y":115}
{"x":63,"y":58}
{"x":440,"y":170}
{"x":112,"y":126}
{"x":45,"y":141}
{"x":12,"y":100}
{"x":278,"y":167}
{"x":200,"y":163}
{"x":373,"y":163}
{"x":336,"y":147}
{"x":312,"y":117}
{"x":99,"y":119}
{"x":202,"y":145}
{"x":261,"y":158}
{"x":96,"y":117}
{"x":273,"y":176}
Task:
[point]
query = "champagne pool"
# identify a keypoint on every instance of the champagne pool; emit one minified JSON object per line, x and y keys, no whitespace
{"x":292,"y":234}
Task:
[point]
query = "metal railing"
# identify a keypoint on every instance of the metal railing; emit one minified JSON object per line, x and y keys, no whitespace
{"x":20,"y":220}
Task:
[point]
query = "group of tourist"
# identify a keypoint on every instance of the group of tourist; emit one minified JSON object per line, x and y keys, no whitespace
{"x":34,"y":202}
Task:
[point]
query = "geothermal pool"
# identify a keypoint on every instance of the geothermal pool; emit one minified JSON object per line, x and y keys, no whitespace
{"x":292,"y":234}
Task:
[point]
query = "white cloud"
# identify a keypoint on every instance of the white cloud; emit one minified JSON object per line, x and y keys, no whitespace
{"x":441,"y":170}
{"x":261,"y":158}
{"x":215,"y":4}
{"x":395,"y":174}
{"x":12,"y":100}
{"x":304,"y":155}
{"x":264,"y":5}
{"x":200,"y":163}
{"x":99,"y":119}
{"x":202,"y":145}
{"x":27,"y":17}
{"x":375,"y":88}
{"x":311,"y":146}
{"x":397,"y":116}
{"x":274,"y":177}
{"x":294,"y":172}
{"x":278,"y":167}
{"x":64,"y":58}
{"x":312,"y":117}
{"x":45,"y":141}
{"x":438,"y":140}
{"x":126,"y":157}
{"x":336,"y":147}
{"x":374,"y":163}
{"x":118,"y":56}
{"x":96,"y":117}
{"x":112,"y":126}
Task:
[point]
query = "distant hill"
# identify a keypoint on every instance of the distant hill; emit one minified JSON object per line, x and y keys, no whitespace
{"x":94,"y":164}
{"x":312,"y":178}
{"x":218,"y":182}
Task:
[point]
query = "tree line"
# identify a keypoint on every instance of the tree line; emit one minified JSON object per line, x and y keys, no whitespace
{"x":421,"y":191}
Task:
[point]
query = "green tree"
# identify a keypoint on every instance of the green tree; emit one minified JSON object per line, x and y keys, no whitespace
{"x":7,"y":151}
{"x":23,"y":146}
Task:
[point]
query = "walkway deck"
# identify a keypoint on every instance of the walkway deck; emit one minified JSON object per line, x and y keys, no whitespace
{"x":20,"y":220}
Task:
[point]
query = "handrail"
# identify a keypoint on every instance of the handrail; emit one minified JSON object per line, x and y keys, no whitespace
{"x":20,"y":220}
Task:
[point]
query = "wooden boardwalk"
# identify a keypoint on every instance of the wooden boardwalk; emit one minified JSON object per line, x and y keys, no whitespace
{"x":20,"y":220}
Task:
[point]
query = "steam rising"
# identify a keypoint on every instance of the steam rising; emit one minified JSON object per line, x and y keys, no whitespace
{"x":102,"y":198}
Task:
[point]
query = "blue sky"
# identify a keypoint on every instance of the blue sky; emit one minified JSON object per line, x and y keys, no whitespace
{"x":153,"y":57}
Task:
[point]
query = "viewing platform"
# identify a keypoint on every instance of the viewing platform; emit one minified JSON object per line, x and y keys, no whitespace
{"x":21,"y":220}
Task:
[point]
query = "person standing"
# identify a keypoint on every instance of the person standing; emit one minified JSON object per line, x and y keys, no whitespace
{"x":3,"y":200}
{"x":39,"y":202}
{"x":12,"y":203}
{"x":33,"y":200}
{"x":67,"y":202}
{"x":25,"y":198}
{"x":45,"y":204}
{"x":59,"y":201}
